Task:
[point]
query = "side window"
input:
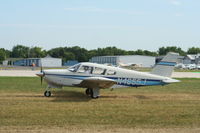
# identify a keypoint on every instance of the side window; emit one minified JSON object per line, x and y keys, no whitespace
{"x":111,"y":72}
{"x":99,"y":71}
{"x":85,"y":69}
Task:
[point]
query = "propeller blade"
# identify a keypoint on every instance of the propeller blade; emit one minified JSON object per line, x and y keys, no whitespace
{"x":41,"y":79}
{"x":41,"y":74}
{"x":41,"y":69}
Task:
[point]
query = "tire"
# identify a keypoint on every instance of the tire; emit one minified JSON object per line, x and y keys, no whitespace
{"x":47,"y":93}
{"x":88,"y":91}
{"x":92,"y":95}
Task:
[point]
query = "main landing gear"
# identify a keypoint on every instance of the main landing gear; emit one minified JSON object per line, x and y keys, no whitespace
{"x":93,"y":93}
{"x":47,"y":93}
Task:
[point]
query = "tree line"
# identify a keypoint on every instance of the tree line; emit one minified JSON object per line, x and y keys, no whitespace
{"x":82,"y":54}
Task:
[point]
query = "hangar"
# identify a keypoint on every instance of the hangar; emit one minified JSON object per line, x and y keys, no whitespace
{"x":140,"y":60}
{"x":47,"y":61}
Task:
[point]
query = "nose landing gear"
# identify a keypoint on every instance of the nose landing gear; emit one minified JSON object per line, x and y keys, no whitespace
{"x":47,"y":93}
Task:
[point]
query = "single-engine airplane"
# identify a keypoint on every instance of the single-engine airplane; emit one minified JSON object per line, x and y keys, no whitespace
{"x":94,"y":76}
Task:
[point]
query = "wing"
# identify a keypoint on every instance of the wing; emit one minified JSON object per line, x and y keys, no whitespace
{"x":97,"y":82}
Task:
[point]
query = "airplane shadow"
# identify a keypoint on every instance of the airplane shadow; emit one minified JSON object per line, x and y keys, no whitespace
{"x":141,"y":97}
{"x":69,"y":96}
{"x":106,"y":96}
{"x":25,"y":95}
{"x":127,"y":97}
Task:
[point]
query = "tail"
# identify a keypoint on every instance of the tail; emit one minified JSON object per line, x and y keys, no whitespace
{"x":166,"y":66}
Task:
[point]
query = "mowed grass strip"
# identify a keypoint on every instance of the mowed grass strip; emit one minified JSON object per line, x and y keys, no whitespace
{"x":173,"y":106}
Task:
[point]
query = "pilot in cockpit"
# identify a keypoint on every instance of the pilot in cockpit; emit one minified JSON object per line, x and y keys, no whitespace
{"x":87,"y":70}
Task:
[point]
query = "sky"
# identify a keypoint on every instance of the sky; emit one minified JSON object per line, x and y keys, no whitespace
{"x":91,"y":24}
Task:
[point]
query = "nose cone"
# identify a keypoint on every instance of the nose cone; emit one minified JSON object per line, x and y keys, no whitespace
{"x":40,"y":74}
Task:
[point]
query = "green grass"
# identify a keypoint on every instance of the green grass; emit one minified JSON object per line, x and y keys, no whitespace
{"x":173,"y":106}
{"x":186,"y":70}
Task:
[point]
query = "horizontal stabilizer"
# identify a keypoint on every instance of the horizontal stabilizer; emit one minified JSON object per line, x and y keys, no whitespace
{"x":168,"y":81}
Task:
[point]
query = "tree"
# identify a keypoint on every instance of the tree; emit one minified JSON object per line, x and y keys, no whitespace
{"x":81,"y":54}
{"x":68,"y":56}
{"x":139,"y":52}
{"x":2,"y":55}
{"x":142,"y":52}
{"x":92,"y":53}
{"x":193,"y":50}
{"x":110,"y":51}
{"x":20,"y":51}
{"x":67,"y":53}
{"x":36,"y":52}
{"x":165,"y":50}
{"x":149,"y":53}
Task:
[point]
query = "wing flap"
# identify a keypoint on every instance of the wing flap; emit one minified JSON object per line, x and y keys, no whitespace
{"x":97,"y":82}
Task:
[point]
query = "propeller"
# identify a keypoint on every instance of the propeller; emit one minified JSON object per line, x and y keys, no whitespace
{"x":41,"y":75}
{"x":41,"y":78}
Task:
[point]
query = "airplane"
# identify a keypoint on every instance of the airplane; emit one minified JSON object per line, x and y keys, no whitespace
{"x":94,"y":76}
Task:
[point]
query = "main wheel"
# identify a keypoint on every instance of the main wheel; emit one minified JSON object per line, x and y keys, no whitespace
{"x":47,"y":93}
{"x":88,"y":91}
{"x":92,"y":95}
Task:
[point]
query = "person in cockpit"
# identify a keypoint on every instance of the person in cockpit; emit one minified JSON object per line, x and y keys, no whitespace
{"x":87,"y":70}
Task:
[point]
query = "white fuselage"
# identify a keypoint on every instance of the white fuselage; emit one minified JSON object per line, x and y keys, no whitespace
{"x":123,"y":77}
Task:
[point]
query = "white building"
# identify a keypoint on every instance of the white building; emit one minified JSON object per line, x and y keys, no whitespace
{"x":5,"y":63}
{"x":125,"y":60}
{"x":50,"y":62}
{"x":47,"y":61}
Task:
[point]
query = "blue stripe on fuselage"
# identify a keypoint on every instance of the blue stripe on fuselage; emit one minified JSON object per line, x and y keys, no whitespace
{"x":120,"y":81}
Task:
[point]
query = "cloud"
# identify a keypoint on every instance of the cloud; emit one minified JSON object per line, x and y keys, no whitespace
{"x":175,"y":2}
{"x":101,"y":10}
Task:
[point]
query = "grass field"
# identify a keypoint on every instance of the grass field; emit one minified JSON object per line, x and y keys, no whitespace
{"x":172,"y":108}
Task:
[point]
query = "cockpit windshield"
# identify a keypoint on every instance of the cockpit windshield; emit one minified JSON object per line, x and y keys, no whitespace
{"x":74,"y":68}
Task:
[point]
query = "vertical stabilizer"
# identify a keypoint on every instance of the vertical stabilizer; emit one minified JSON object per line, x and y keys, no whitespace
{"x":166,"y":66}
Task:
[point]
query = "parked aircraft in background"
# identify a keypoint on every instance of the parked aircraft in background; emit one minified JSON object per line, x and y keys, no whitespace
{"x":94,"y":76}
{"x":188,"y":66}
{"x":129,"y":64}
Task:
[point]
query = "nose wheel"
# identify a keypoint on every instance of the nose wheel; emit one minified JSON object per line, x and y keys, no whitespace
{"x":47,"y":93}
